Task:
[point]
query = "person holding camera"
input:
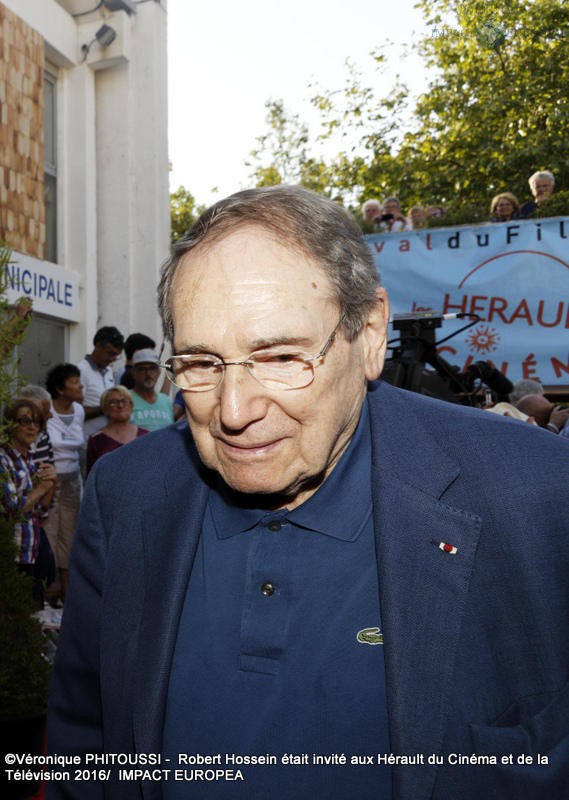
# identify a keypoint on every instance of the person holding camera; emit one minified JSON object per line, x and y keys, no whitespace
{"x":393,"y":220}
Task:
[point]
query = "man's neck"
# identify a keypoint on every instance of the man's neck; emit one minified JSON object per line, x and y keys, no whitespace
{"x":91,"y":358}
{"x":148,"y":395}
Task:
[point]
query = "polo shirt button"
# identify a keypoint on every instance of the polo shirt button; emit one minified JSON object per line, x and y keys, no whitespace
{"x":274,"y":525}
{"x":268,"y":589}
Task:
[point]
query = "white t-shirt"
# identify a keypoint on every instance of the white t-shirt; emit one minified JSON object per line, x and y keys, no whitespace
{"x":95,"y":381}
{"x":66,"y":436}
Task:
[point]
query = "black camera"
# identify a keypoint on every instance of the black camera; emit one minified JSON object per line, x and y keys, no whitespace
{"x":415,"y":364}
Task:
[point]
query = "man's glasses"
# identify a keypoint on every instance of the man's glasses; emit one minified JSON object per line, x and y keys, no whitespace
{"x":147,"y":367}
{"x":278,"y":368}
{"x":29,"y":422}
{"x":118,"y":403}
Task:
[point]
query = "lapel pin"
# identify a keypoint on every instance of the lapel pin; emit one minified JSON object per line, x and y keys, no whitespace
{"x":446,"y":547}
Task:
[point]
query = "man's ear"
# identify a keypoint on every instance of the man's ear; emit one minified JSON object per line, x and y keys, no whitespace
{"x":374,"y":336}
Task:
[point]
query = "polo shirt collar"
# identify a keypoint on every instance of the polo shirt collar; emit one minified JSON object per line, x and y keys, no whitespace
{"x":89,"y":360}
{"x":339,"y":508}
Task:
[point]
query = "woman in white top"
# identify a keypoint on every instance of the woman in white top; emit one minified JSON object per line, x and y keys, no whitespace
{"x":65,"y":428}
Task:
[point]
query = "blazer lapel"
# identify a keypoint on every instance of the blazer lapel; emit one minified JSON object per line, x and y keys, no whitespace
{"x":423,"y":588}
{"x":170,"y":531}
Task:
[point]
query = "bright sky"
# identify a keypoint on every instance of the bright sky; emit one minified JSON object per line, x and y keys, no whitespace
{"x":227,"y":58}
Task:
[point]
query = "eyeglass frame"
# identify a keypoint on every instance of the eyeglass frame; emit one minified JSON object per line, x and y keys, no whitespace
{"x":220,"y":362}
{"x":147,"y":366}
{"x":27,"y":422}
{"x":121,"y":403}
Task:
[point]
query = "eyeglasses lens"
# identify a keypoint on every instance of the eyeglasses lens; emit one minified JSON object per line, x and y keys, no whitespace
{"x":28,"y":422}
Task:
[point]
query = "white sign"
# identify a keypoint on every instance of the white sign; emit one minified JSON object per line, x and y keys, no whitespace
{"x":53,"y":291}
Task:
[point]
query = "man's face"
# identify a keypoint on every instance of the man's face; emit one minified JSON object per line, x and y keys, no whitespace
{"x":542,"y":188}
{"x":247,"y":293}
{"x":391,"y":207}
{"x":105,"y":354}
{"x":145,"y":376}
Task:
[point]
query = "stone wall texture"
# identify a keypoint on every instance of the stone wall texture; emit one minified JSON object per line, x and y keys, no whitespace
{"x":22,"y":212}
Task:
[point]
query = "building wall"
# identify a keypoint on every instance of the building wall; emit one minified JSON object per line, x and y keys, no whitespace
{"x":21,"y":135}
{"x":113,"y":225}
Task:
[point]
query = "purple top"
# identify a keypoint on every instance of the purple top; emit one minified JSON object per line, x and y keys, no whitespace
{"x":100,"y":443}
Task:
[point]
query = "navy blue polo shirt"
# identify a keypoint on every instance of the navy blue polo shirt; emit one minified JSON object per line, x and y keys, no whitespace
{"x":268,"y":660}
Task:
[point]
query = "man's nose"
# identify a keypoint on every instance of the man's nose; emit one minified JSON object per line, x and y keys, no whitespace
{"x":243,"y":399}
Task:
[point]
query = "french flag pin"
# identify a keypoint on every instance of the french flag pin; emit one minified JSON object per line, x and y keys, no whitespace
{"x":446,"y":548}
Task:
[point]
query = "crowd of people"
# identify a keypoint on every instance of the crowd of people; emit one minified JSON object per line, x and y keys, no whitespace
{"x":388,"y":217}
{"x":58,"y":431}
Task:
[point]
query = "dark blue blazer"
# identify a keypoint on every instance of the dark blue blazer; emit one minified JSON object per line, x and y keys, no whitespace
{"x":476,"y":642}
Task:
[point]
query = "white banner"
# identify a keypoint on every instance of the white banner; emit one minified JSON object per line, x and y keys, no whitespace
{"x":515,"y":276}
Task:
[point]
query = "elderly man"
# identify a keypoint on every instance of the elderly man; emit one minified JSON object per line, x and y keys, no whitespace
{"x":393,"y":220}
{"x":151,"y":409}
{"x":327,"y":587}
{"x":542,"y":185}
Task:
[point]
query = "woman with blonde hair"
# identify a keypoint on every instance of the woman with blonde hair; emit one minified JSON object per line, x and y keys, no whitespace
{"x":504,"y":207}
{"x":116,"y":405}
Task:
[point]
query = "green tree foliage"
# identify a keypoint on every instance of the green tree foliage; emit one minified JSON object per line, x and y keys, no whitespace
{"x":282,"y":151}
{"x":282,"y":154}
{"x":24,"y":672}
{"x":14,"y":320}
{"x":183,"y":212}
{"x":497,"y":108}
{"x":495,"y":111}
{"x":365,"y":130}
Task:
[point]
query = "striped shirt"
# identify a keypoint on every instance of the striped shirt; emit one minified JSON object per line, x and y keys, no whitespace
{"x":16,"y":480}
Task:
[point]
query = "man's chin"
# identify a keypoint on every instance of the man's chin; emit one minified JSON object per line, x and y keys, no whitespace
{"x":255,"y":486}
{"x":266,"y":492}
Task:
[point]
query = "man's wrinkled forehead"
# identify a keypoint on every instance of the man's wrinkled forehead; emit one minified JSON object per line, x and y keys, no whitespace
{"x":248,"y":273}
{"x":191,"y":262}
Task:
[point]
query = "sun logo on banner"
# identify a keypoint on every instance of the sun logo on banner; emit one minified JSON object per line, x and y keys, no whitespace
{"x":483,"y":339}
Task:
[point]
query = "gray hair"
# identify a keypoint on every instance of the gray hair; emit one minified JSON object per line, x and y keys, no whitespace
{"x":35,"y":392}
{"x":370,"y":204}
{"x":543,"y":175}
{"x":314,"y":225}
{"x":524,"y":387}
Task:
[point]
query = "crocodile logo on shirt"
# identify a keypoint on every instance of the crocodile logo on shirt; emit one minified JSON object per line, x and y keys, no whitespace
{"x":370,"y":636}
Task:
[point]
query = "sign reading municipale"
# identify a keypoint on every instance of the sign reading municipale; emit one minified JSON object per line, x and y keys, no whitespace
{"x":54,"y":291}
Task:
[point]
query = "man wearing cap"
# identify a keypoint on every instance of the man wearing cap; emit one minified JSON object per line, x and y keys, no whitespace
{"x":152,"y":410}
